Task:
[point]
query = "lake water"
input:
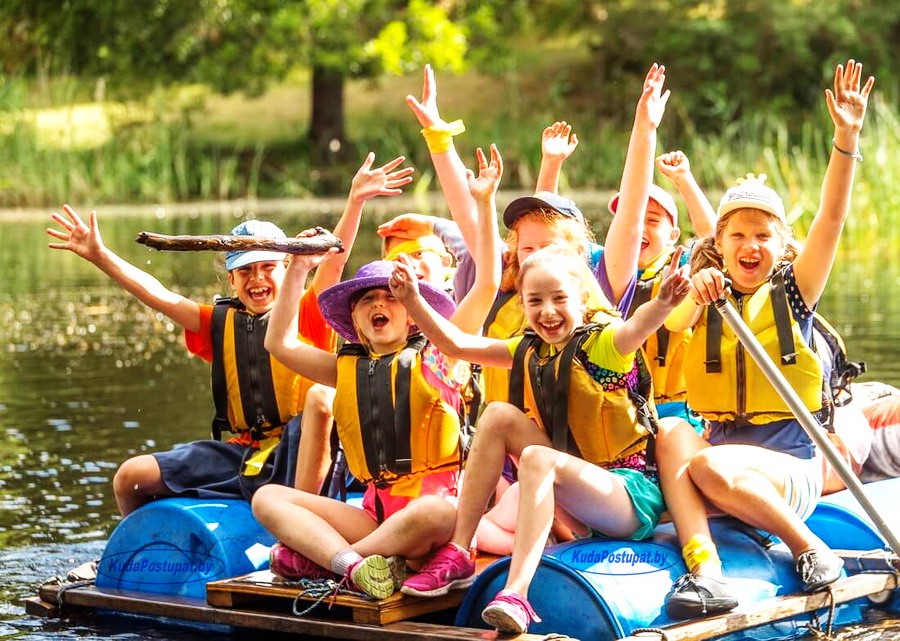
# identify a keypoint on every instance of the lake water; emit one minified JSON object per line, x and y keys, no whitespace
{"x":89,"y":377}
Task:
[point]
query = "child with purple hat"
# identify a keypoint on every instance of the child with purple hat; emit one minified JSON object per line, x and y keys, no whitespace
{"x":396,"y":411}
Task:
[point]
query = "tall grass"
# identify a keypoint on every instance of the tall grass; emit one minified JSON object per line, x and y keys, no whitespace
{"x":162,"y":154}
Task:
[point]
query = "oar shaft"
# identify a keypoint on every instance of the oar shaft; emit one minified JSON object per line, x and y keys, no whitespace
{"x":806,"y":420}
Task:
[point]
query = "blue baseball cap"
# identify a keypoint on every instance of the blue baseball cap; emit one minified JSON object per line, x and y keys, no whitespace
{"x":542,"y":200}
{"x":261,"y":228}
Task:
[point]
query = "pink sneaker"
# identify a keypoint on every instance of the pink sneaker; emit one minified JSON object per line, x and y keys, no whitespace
{"x":509,"y":612}
{"x":449,"y":569}
{"x":290,"y":564}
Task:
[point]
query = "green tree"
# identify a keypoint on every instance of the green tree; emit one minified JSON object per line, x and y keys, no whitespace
{"x":245,"y":44}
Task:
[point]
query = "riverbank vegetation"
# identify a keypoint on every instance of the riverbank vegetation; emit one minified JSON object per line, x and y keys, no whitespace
{"x":95,"y":126}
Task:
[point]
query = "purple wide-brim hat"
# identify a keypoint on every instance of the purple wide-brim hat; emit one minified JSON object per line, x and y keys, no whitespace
{"x":335,"y":301}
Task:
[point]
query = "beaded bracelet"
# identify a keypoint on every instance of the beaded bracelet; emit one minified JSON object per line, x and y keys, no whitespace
{"x":856,"y":156}
{"x":440,"y":137}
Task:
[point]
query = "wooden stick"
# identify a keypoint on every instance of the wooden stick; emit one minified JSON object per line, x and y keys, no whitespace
{"x":318,"y":244}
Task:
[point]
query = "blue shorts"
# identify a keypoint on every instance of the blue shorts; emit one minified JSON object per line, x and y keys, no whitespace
{"x":212,"y":469}
{"x":681,"y":410}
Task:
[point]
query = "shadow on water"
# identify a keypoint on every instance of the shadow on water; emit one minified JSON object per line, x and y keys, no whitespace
{"x":89,"y":377}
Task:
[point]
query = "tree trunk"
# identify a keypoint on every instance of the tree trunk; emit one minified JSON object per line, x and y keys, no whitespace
{"x":326,"y":127}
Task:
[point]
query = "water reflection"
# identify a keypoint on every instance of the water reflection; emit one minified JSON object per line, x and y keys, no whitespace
{"x":89,"y":377}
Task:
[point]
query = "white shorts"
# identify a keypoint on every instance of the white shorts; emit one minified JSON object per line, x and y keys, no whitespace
{"x":803,"y":485}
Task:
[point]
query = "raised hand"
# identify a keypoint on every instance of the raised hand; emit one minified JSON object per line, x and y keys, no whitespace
{"x":674,"y":165}
{"x":676,"y":284}
{"x":426,"y":111}
{"x":652,"y":103}
{"x":847,"y":103}
{"x":407,"y":226}
{"x":556,"y":144}
{"x":485,"y":185}
{"x":308,"y":262}
{"x":78,"y":237}
{"x":382,"y":181}
{"x":404,"y":283}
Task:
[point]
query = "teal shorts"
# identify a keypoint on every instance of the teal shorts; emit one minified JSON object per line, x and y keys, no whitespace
{"x":681,"y":410}
{"x":647,"y":499}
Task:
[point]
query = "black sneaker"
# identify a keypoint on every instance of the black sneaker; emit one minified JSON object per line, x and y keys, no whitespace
{"x":693,"y":596}
{"x":818,"y":569}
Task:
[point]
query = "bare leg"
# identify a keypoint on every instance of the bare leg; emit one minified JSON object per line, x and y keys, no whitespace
{"x":412,"y":532}
{"x":676,"y":444}
{"x":497,"y":528}
{"x":588,"y":493}
{"x":502,"y":429}
{"x":315,"y":526}
{"x":748,"y":482}
{"x":137,"y":481}
{"x":314,"y":454}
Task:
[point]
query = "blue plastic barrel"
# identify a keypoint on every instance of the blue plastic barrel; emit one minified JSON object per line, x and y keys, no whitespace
{"x":605,"y":589}
{"x":175,"y":546}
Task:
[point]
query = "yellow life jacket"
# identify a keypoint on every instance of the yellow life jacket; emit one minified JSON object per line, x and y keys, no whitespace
{"x":723,"y":381}
{"x":665,"y":351}
{"x":507,"y":320}
{"x":573,"y":408}
{"x":394,"y":425}
{"x":252,"y":391}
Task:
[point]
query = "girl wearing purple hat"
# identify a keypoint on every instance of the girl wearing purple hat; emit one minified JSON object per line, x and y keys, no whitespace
{"x":396,"y":412}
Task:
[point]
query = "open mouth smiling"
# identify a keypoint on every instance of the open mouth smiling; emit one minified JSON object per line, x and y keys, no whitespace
{"x":259,"y":293}
{"x":379,"y":320}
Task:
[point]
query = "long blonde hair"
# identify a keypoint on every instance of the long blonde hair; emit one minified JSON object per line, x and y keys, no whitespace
{"x":577,"y":236}
{"x":706,"y":255}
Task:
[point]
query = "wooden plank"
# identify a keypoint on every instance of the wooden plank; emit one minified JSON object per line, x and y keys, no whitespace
{"x":229,"y":593}
{"x":783,"y":607}
{"x":262,"y":584}
{"x":37,"y":607}
{"x":188,"y":609}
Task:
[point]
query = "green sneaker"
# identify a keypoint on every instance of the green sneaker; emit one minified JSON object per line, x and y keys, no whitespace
{"x":372,"y":575}
{"x":399,"y":570}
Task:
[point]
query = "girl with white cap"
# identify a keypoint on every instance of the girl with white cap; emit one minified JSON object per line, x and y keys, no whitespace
{"x":757,"y":464}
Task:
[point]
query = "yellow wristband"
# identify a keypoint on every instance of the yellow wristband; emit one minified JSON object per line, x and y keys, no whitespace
{"x":440,"y":137}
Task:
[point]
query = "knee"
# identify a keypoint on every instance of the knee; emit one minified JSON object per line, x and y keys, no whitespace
{"x":136,"y":472}
{"x":432,"y":514}
{"x":538,"y":458}
{"x":265,"y":501}
{"x":499,"y":418}
{"x":709,"y":474}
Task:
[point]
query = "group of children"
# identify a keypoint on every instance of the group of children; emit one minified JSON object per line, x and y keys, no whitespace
{"x":597,"y":366}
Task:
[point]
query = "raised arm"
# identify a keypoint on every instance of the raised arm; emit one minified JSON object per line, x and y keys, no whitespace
{"x":447,"y":337}
{"x":473,"y":309}
{"x":368,"y":183}
{"x":675,"y":166}
{"x":556,"y":147}
{"x":86,"y":242}
{"x":281,"y":336}
{"x":847,"y":107}
{"x":623,"y":240}
{"x":448,"y":166}
{"x":651,"y":315}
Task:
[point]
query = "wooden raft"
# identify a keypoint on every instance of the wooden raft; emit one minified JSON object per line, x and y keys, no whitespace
{"x":239,"y":591}
{"x":783,"y":607}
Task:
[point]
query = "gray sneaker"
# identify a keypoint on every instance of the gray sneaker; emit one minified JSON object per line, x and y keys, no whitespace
{"x":818,"y":569}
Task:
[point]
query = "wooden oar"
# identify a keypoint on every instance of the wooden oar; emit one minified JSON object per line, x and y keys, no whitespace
{"x":806,"y":420}
{"x":318,"y":244}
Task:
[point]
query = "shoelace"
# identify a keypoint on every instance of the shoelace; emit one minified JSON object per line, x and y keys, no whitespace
{"x":689,"y":581}
{"x":807,"y":565}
